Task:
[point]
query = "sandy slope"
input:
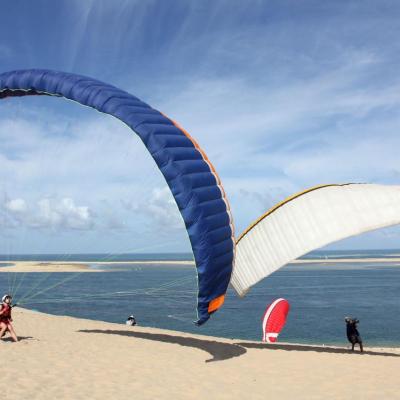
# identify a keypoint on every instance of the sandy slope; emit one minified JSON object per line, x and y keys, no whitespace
{"x":68,"y":358}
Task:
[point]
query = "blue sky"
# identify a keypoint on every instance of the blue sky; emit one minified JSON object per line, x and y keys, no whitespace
{"x":282,"y":95}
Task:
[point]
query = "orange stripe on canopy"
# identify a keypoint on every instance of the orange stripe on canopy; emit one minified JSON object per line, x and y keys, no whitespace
{"x":216,"y":303}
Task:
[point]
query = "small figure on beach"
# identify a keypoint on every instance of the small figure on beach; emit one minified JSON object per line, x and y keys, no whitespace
{"x":5,"y":318}
{"x":352,"y":332}
{"x":131,"y":321}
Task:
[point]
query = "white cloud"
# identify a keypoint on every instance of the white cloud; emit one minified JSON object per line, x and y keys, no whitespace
{"x":48,"y":214}
{"x":161,"y":211}
{"x":16,"y":206}
{"x":63,"y":215}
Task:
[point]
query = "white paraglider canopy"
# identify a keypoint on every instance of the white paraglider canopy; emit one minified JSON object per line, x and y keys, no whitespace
{"x":310,"y":220}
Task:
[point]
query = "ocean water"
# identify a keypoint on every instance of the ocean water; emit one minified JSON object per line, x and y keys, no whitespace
{"x":164,"y":296}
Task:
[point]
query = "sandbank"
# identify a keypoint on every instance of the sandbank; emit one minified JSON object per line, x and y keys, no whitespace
{"x":346,"y":260}
{"x":84,"y":266}
{"x":78,"y":266}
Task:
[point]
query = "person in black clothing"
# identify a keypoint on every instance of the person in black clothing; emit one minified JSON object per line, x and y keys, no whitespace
{"x":352,"y":333}
{"x":131,"y":321}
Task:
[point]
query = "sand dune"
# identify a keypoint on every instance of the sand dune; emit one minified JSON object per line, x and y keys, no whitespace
{"x":69,"y":358}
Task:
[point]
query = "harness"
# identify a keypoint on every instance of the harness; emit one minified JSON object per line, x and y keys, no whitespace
{"x":6,"y":315}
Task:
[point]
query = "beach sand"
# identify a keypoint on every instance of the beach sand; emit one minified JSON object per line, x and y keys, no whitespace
{"x":69,"y":358}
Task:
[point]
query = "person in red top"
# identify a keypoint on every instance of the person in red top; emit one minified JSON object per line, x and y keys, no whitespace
{"x":5,"y":318}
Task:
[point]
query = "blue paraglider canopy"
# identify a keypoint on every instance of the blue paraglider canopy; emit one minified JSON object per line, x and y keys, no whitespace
{"x":189,"y":174}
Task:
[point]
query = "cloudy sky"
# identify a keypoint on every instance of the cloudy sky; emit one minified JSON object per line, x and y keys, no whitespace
{"x":282,"y":95}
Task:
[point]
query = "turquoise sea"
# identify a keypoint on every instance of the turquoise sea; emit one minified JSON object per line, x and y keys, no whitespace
{"x":321,"y":295}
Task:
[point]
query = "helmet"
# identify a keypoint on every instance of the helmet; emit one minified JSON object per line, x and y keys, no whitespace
{"x":3,"y":299}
